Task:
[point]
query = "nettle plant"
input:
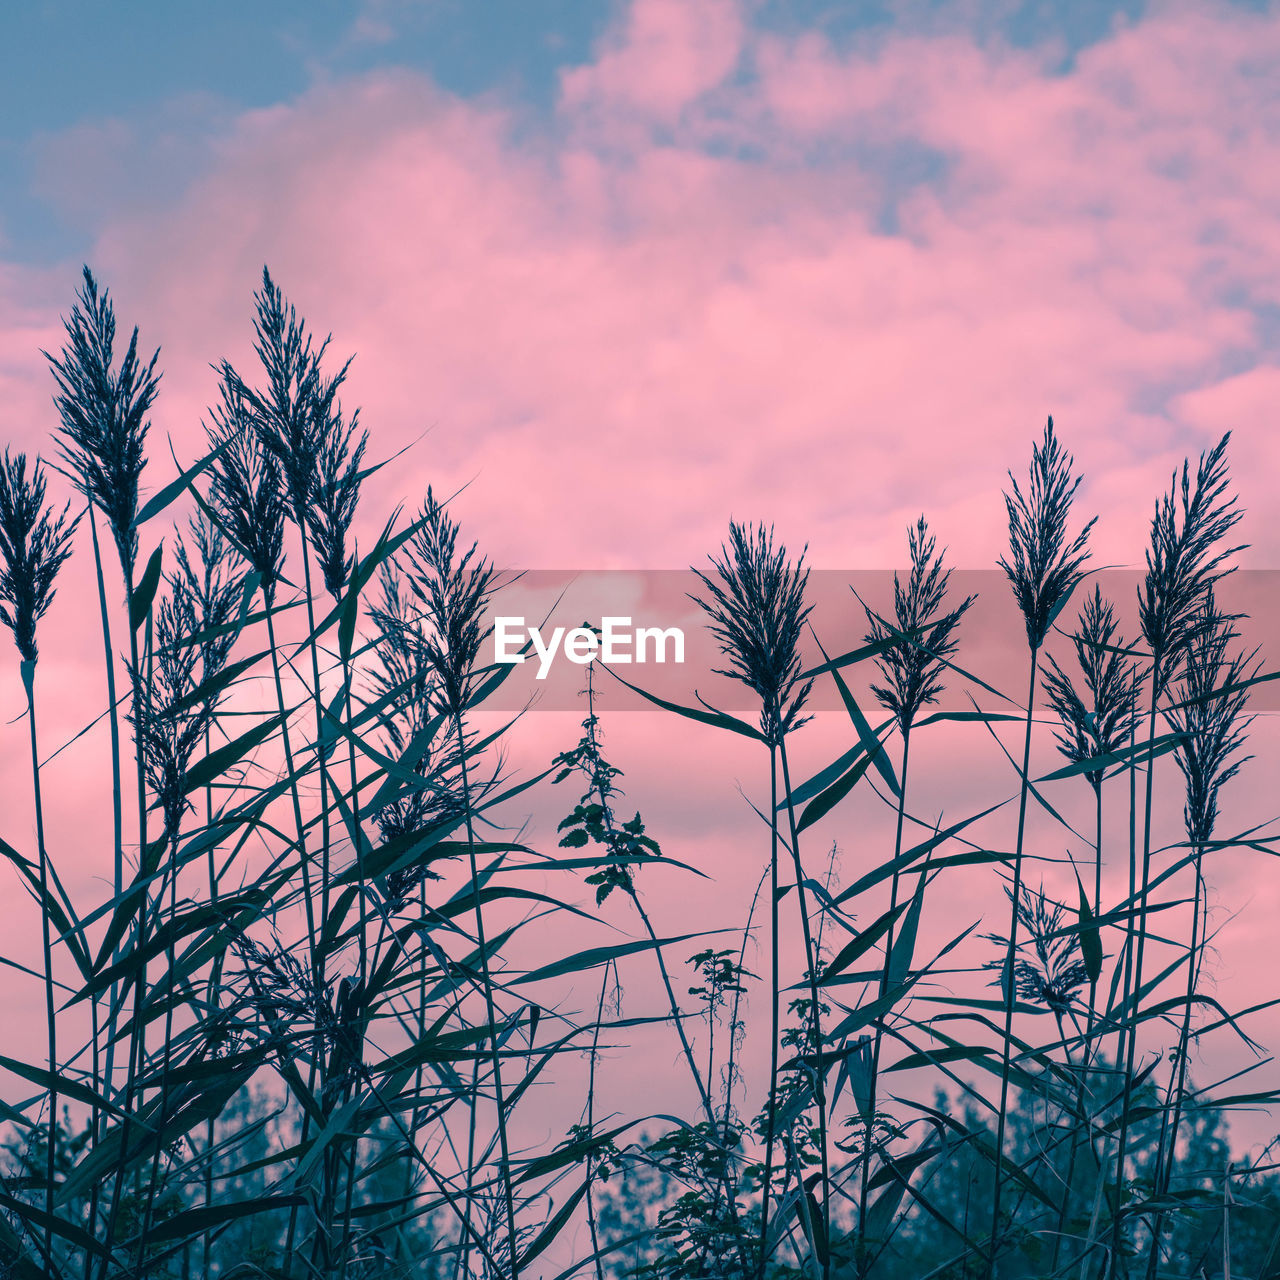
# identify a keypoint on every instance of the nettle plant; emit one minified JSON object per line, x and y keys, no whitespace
{"x":311,"y":1023}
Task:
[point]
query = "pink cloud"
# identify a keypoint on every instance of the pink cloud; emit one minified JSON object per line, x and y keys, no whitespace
{"x":705,"y":335}
{"x":666,"y":55}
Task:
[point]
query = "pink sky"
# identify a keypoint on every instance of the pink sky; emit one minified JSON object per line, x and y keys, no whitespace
{"x":832,"y":293}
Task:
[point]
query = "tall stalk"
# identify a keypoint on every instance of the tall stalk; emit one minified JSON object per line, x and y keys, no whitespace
{"x":1185,"y":560}
{"x":1093,"y":726}
{"x":864,"y":1188}
{"x":452,"y":589}
{"x":1007,"y":976}
{"x":28,"y":680}
{"x":755,"y":601}
{"x":1043,"y":567}
{"x":914,"y":650}
{"x":815,"y":1006}
{"x":35,"y":542}
{"x":486,"y":977}
{"x":1209,"y":716}
{"x":117,"y":814}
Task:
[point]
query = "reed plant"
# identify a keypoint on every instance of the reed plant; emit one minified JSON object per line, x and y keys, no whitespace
{"x":321,"y":1020}
{"x":35,"y":541}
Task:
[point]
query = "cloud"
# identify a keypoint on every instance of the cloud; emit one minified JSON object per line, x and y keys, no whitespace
{"x":626,"y":333}
{"x":664,"y":56}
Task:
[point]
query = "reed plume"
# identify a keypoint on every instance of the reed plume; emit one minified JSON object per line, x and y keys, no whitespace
{"x":1044,"y":564}
{"x":335,"y":495}
{"x":1097,"y":723}
{"x":294,"y":409}
{"x":757,"y":610}
{"x":35,"y":542}
{"x":1185,"y":559}
{"x":921,"y":638}
{"x":245,"y":488}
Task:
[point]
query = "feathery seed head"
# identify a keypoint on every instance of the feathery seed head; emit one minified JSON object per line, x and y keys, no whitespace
{"x":912,"y":665}
{"x":170,"y":724}
{"x":1043,"y":567}
{"x":756,"y":606}
{"x":405,"y":681}
{"x":104,"y":413}
{"x":1210,"y":712}
{"x":1111,"y":683}
{"x":245,"y":486}
{"x":207,"y":581}
{"x":1186,"y":558}
{"x":295,"y":408}
{"x":1049,"y":968}
{"x":451,"y":590}
{"x":34,"y":543}
{"x":335,"y":494}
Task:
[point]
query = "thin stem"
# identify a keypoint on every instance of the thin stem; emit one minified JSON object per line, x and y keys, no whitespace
{"x":28,"y":679}
{"x":1010,"y":994}
{"x":1134,"y":994}
{"x":771,"y":1123}
{"x":268,"y":601}
{"x":894,"y":886}
{"x":117,"y":814}
{"x":496,"y":1053}
{"x":1080,"y":1120}
{"x":591,"y":1125}
{"x":815,"y":1008}
{"x":1166,"y":1156}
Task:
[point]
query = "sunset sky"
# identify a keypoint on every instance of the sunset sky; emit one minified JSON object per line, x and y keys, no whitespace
{"x":627,"y":271}
{"x":638,"y":268}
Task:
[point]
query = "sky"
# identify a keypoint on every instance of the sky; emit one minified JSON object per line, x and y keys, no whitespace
{"x":724,"y":250}
{"x":623,"y":272}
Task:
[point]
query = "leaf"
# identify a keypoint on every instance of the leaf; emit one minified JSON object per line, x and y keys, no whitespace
{"x":904,"y":945}
{"x":823,"y":778}
{"x":66,"y":1087}
{"x":145,"y":592}
{"x":1166,"y":742}
{"x":192,"y":1222}
{"x":861,"y":944}
{"x":571,"y":1152}
{"x":554,"y":1226}
{"x":871,"y":743}
{"x":347,"y":621}
{"x":933,"y":1057}
{"x":823,"y":804}
{"x":886,"y":869}
{"x":594,"y":957}
{"x":167,"y":495}
{"x":717,"y":719}
{"x":985,"y":717}
{"x":208,"y":690}
{"x":1090,"y":942}
{"x":218,"y":761}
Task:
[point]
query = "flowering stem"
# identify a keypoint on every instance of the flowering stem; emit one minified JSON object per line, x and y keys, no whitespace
{"x":1010,"y":992}
{"x":895,"y":884}
{"x":815,"y":1009}
{"x":28,"y":680}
